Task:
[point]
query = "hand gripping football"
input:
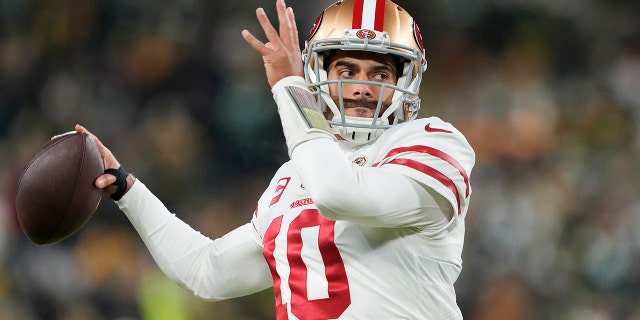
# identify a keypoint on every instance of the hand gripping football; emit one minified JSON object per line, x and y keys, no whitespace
{"x":56,"y":195}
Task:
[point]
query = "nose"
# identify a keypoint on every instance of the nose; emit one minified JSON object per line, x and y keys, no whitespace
{"x":361,"y":90}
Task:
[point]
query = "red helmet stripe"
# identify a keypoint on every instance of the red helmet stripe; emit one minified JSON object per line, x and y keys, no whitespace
{"x":356,"y":21}
{"x":368,"y":14}
{"x":379,"y":21}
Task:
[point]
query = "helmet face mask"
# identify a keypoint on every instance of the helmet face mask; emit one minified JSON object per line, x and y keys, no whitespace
{"x":352,"y":25}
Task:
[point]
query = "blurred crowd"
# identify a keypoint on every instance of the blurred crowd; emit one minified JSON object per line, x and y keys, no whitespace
{"x":546,"y":91}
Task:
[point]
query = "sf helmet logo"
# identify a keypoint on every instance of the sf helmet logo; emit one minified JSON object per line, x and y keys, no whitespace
{"x":366,"y":34}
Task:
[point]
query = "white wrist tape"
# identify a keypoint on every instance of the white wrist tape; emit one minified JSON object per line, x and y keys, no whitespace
{"x":301,"y":119}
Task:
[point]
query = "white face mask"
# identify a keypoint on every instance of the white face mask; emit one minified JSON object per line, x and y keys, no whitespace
{"x":404,"y":104}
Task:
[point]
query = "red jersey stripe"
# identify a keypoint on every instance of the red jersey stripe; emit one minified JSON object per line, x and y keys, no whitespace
{"x":442,"y":178}
{"x":436,"y":153}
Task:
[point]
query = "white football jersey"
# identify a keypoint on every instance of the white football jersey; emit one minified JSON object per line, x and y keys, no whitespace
{"x":400,"y":268}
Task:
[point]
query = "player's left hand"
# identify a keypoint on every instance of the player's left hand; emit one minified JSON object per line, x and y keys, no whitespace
{"x":281,"y":54}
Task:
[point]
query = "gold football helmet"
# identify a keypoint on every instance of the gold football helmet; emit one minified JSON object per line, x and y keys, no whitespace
{"x":367,"y":25}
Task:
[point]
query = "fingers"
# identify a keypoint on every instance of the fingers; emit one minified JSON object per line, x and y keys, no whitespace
{"x":105,"y":180}
{"x":281,"y":52}
{"x":288,"y":28}
{"x":107,"y":157}
{"x":294,"y":29}
{"x":287,"y":36}
{"x":252,"y":41}
{"x":283,"y":18}
{"x":95,"y":139}
{"x":271,"y":33}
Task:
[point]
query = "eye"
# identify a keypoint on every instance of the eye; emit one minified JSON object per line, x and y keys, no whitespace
{"x":346,"y":73}
{"x":381,"y":76}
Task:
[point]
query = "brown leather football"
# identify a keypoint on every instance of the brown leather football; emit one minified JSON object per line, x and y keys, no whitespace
{"x":56,"y":195}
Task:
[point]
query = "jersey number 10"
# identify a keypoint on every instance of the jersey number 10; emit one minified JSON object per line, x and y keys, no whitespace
{"x":338,"y":297}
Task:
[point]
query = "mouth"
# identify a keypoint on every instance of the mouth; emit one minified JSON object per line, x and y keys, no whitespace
{"x":360,"y":103}
{"x":360,"y":108}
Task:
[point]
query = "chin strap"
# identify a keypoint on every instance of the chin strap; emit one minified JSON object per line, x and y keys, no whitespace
{"x":358,"y":135}
{"x":299,"y":114}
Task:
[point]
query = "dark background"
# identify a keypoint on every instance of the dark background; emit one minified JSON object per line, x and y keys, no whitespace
{"x":547,"y":92}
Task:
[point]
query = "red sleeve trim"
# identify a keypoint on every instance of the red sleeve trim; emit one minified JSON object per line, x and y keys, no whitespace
{"x":436,"y":153}
{"x":421,"y":167}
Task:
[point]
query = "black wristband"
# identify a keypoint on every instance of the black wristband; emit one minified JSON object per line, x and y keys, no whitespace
{"x":121,"y":182}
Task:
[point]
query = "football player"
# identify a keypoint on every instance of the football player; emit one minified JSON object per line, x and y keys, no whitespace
{"x":366,"y":220}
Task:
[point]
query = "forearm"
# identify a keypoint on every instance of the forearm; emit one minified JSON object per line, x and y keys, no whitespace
{"x":372,"y":196}
{"x":208,"y":268}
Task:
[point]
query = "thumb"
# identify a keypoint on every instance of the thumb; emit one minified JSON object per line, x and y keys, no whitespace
{"x":104,"y":181}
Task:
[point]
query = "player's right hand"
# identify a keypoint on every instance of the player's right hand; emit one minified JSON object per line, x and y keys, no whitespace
{"x":104,"y":181}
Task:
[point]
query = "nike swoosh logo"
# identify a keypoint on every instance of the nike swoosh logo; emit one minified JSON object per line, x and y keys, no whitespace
{"x":428,"y":128}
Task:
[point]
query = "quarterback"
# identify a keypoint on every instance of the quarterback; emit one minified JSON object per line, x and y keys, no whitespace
{"x":366,"y":219}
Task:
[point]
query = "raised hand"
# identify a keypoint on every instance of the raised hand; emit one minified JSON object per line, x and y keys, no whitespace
{"x":281,"y":54}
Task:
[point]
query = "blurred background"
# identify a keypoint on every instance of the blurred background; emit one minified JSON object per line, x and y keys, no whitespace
{"x":546,"y":91}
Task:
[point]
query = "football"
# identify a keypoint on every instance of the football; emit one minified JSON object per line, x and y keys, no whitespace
{"x":56,"y":195}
